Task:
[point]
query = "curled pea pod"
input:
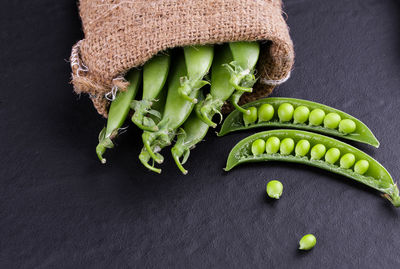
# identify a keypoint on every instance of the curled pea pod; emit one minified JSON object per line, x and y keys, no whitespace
{"x":299,"y":114}
{"x":221,"y":89}
{"x":198,"y":62}
{"x":318,"y":151}
{"x":192,"y":132}
{"x":176,"y":111}
{"x":245,"y":57}
{"x":117,"y":114}
{"x":155,"y":73}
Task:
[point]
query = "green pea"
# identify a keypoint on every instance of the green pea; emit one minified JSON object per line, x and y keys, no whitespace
{"x":287,"y":146}
{"x":307,"y":242}
{"x":317,"y":152}
{"x":302,"y":147}
{"x":347,"y":126}
{"x":265,"y":112}
{"x":250,"y":118}
{"x":258,"y":147}
{"x":347,"y":160}
{"x":361,"y":167}
{"x":332,"y":155}
{"x":272,"y":145}
{"x":285,"y":112}
{"x":274,"y":189}
{"x":332,"y":120}
{"x":316,"y":117}
{"x":301,"y":114}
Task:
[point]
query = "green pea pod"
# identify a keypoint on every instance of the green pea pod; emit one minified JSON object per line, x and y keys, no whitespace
{"x":221,"y":89}
{"x":155,"y":73}
{"x":192,"y":132}
{"x":198,"y":62}
{"x":245,"y":57}
{"x":234,"y":121}
{"x":117,"y":114}
{"x":375,"y":176}
{"x":176,"y":111}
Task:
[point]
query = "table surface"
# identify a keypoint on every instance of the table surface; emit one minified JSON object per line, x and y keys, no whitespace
{"x":60,"y":208}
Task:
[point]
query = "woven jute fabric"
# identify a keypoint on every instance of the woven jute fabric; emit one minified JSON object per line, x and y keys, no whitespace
{"x":122,"y":34}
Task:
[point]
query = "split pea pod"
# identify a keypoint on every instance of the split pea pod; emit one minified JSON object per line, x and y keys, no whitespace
{"x":191,"y":133}
{"x":155,"y":72}
{"x":117,"y":114}
{"x":299,"y":114}
{"x":318,"y":151}
{"x":176,"y":111}
{"x":198,"y":62}
{"x":245,"y":57}
{"x":221,"y":88}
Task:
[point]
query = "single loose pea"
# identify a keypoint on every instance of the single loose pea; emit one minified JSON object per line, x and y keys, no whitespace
{"x":332,"y":120}
{"x":287,"y":146}
{"x":274,"y":189}
{"x":307,"y":242}
{"x":285,"y":112}
{"x":332,"y":155}
{"x":302,"y":147}
{"x":250,"y":118}
{"x":317,"y":152}
{"x":265,"y":112}
{"x":316,"y":117}
{"x":347,"y":160}
{"x":301,"y":114}
{"x":272,"y":145}
{"x":347,"y":126}
{"x":258,"y":147}
{"x":361,"y":167}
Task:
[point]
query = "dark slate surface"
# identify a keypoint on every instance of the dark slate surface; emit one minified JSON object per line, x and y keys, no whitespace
{"x":60,"y":208}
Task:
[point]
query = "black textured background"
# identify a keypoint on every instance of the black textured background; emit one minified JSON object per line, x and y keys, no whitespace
{"x":60,"y":208}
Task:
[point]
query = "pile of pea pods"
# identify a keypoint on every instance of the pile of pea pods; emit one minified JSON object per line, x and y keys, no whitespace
{"x":176,"y":106}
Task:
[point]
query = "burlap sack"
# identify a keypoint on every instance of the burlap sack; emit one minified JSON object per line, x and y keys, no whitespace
{"x":121,"y":34}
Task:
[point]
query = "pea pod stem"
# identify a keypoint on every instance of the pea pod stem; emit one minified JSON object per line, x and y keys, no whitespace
{"x":198,"y":62}
{"x":155,"y":73}
{"x":376,"y":176}
{"x":117,"y":114}
{"x":234,"y":121}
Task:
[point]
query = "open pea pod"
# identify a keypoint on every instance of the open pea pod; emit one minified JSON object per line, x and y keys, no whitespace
{"x":234,"y":121}
{"x":374,"y":176}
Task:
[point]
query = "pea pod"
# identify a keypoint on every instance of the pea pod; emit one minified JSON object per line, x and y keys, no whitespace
{"x":198,"y":62}
{"x":373,"y":174}
{"x":221,"y":89}
{"x":234,"y":121}
{"x":192,"y":132}
{"x":155,"y":73}
{"x":117,"y":114}
{"x":245,"y":57}
{"x":176,"y":111}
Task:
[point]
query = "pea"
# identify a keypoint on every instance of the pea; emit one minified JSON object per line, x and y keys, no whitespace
{"x":301,"y":114}
{"x":285,"y":112}
{"x":307,"y":242}
{"x":302,"y":147}
{"x":272,"y":145}
{"x":316,"y":117}
{"x":258,"y":147}
{"x":265,"y":112}
{"x":361,"y":167}
{"x":274,"y":189}
{"x":287,"y":146}
{"x":347,"y":160}
{"x":332,"y":155}
{"x":250,"y":118}
{"x":332,"y":120}
{"x":347,"y":126}
{"x":317,"y":152}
